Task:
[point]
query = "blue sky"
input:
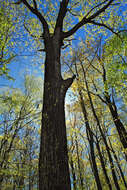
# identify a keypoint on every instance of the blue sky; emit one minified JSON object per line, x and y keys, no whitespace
{"x":31,"y":64}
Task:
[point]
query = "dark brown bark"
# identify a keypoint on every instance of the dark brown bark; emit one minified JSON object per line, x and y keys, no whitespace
{"x":118,"y":164}
{"x":86,"y":19}
{"x":113,"y":110}
{"x":111,"y":162}
{"x":103,"y":166}
{"x":53,"y":161}
{"x":119,"y":125}
{"x":91,"y":143}
{"x":93,"y":159}
{"x":14,"y":185}
{"x":79,"y":164}
{"x":108,"y":152}
{"x":21,"y":182}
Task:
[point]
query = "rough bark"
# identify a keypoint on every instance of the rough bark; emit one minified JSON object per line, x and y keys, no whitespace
{"x":53,"y":166}
{"x":53,"y":161}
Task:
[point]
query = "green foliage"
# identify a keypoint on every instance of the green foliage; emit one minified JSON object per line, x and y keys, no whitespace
{"x":115,"y":56}
{"x":6,"y":43}
{"x":19,"y":126}
{"x":89,"y":67}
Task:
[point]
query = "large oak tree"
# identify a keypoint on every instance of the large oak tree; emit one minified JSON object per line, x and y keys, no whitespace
{"x":53,"y":160}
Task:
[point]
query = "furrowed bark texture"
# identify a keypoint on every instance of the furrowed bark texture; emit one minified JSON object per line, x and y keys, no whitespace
{"x":53,"y":162}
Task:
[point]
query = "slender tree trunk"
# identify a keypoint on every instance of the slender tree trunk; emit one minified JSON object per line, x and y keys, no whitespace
{"x":103,"y":166}
{"x":113,"y":110}
{"x":91,"y":143}
{"x":79,"y":165}
{"x":119,"y":125}
{"x":14,"y":186}
{"x":107,"y":148}
{"x":72,"y":165}
{"x":73,"y":174}
{"x":111,"y":165}
{"x":102,"y":134}
{"x":30,"y":182}
{"x":53,"y":161}
{"x":21,"y":182}
{"x":118,"y":164}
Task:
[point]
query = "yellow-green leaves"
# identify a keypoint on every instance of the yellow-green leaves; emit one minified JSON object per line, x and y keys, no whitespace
{"x":116,"y":62}
{"x":6,"y":43}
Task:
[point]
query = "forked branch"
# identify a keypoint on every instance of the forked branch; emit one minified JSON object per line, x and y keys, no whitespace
{"x":61,"y":14}
{"x":36,"y":12}
{"x":86,"y":20}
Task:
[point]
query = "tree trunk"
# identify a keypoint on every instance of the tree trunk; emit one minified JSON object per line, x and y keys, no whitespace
{"x":73,"y":174}
{"x":91,"y":143}
{"x":113,"y":110}
{"x":53,"y":161}
{"x":119,"y":125}
{"x":79,"y":164}
{"x":118,"y":164}
{"x":103,"y":165}
{"x":103,"y":136}
{"x":54,"y":171}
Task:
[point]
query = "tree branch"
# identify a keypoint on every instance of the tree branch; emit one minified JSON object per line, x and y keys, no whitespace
{"x":101,"y":10}
{"x":33,"y":36}
{"x":68,"y":82}
{"x":17,"y":3}
{"x":35,"y":4}
{"x":62,"y":12}
{"x":38,"y":14}
{"x":95,"y":8}
{"x":86,"y":20}
{"x":105,"y":26}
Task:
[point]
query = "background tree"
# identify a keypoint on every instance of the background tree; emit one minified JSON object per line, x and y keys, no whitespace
{"x":89,"y":88}
{"x":19,"y":134}
{"x":6,"y":43}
